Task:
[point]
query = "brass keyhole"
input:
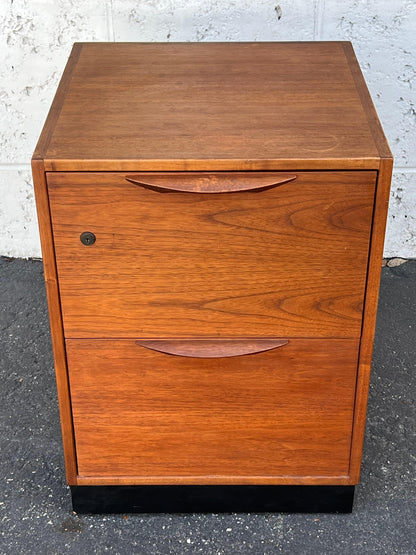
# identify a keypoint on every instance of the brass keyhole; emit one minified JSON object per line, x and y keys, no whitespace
{"x":87,"y":238}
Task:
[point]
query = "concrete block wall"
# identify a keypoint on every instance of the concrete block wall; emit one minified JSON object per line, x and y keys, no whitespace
{"x":36,"y":37}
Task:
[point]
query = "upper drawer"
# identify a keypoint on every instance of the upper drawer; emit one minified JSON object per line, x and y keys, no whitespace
{"x":281,"y":260}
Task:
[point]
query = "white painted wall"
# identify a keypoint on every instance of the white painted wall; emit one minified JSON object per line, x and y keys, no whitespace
{"x":37,"y":35}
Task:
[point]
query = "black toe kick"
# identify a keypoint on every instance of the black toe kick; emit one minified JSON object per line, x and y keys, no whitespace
{"x":212,"y":499}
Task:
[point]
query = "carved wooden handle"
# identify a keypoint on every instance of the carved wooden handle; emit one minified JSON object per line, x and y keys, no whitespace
{"x":211,"y":348}
{"x":210,"y":183}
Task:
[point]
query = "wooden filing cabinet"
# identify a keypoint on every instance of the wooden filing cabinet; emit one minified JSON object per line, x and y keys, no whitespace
{"x":212,"y":219}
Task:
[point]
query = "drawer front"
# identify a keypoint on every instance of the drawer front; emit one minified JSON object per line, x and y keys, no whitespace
{"x":286,"y":260}
{"x":284,"y":412}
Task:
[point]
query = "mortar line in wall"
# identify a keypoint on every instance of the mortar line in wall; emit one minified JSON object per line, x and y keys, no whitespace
{"x":14,"y":166}
{"x":319,"y":19}
{"x":404,"y":169}
{"x":110,"y":20}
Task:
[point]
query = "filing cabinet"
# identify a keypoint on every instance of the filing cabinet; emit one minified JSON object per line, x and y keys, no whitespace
{"x":212,"y":219}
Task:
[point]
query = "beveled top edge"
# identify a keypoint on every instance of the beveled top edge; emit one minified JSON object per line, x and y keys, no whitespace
{"x":339,"y":164}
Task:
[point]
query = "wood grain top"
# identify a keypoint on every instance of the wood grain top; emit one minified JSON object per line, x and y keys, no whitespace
{"x":205,"y":106}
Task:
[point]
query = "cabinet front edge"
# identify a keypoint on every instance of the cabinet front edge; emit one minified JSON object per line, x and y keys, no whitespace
{"x":55,"y":318}
{"x":213,"y":165}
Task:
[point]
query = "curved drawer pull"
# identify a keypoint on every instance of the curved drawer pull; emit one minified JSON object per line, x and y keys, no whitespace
{"x":210,"y":183}
{"x":211,"y":348}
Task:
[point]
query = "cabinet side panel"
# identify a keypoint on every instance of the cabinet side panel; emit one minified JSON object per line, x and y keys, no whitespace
{"x":370,"y":314}
{"x":52,"y":291}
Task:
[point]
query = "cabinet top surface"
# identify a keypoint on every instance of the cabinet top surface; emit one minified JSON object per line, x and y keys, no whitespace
{"x":206,"y":106}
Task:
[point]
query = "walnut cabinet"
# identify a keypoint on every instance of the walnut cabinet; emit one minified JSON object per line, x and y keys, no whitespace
{"x":212,"y":219}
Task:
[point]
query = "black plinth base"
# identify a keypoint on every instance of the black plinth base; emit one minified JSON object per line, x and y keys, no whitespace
{"x":212,"y":499}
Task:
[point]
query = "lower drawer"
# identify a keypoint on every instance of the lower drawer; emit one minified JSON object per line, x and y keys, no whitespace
{"x":163,"y":418}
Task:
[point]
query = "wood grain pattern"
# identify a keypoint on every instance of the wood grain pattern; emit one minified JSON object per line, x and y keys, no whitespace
{"x":55,"y":318}
{"x":209,"y":183}
{"x":212,"y":106}
{"x":211,"y":348}
{"x":286,"y":411}
{"x":370,"y":314}
{"x":289,"y":261}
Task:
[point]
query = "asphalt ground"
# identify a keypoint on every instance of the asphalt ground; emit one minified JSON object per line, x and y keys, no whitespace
{"x":35,"y":508}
